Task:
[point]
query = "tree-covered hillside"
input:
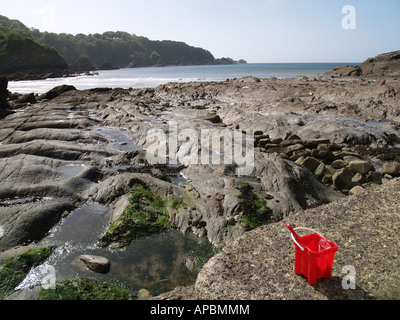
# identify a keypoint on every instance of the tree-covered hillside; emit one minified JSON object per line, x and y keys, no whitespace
{"x":24,"y":58}
{"x":119,"y":48}
{"x":122,"y":49}
{"x":96,"y":51}
{"x":13,"y":26}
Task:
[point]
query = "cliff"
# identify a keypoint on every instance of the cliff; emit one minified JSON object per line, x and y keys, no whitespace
{"x":22,"y":58}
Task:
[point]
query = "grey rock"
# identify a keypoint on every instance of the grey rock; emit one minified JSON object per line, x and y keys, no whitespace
{"x":320,"y":171}
{"x":293,"y":137}
{"x":57,"y":91}
{"x":375,"y":177}
{"x":386,"y":64}
{"x":278,"y":150}
{"x":95,"y":263}
{"x":296,"y":147}
{"x":342,"y":179}
{"x":356,"y":190}
{"x":346,"y":71}
{"x":311,"y":163}
{"x":360,"y":166}
{"x":27,"y":294}
{"x":31,"y":221}
{"x":358,"y":179}
{"x":266,"y":143}
{"x":245,"y":270}
{"x":391,"y":168}
{"x":339,"y":164}
{"x":144,"y":294}
{"x":212,"y":118}
{"x":322,"y":154}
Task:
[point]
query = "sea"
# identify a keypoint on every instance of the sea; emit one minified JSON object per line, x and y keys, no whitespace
{"x":152,"y":77}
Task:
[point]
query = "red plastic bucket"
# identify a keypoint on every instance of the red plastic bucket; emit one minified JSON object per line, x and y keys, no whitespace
{"x":314,"y":255}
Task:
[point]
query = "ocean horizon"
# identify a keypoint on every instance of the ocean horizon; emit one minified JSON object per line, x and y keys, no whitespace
{"x":152,"y":77}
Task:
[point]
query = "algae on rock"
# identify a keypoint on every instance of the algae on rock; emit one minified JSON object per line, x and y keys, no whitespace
{"x":146,"y":215}
{"x":16,"y":268}
{"x":85,"y":289}
{"x":254,"y":208}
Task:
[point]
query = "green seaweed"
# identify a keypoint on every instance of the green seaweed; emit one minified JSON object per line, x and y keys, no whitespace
{"x":16,"y":268}
{"x":35,"y":256}
{"x":200,"y":251}
{"x":255,"y":210}
{"x":85,"y":289}
{"x":146,"y":215}
{"x":176,"y":203}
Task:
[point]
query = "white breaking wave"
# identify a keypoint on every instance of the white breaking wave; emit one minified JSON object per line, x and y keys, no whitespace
{"x":153,"y":77}
{"x":85,"y":83}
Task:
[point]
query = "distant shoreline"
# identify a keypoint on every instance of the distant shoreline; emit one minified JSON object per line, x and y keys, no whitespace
{"x":150,"y":77}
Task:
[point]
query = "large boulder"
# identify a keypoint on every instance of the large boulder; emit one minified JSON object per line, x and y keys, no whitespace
{"x":346,"y":71}
{"x":391,"y":168}
{"x":95,"y":263}
{"x":144,"y":295}
{"x":213,"y":118}
{"x":383,"y":65}
{"x":311,"y":163}
{"x":387,"y":64}
{"x":342,"y":179}
{"x":55,"y":92}
{"x":361,"y":166}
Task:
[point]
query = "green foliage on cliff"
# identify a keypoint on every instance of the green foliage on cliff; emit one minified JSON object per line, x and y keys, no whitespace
{"x":82,"y":64}
{"x":229,"y":61}
{"x":155,"y":58}
{"x":125,"y":50}
{"x":22,"y":54}
{"x":13,"y":26}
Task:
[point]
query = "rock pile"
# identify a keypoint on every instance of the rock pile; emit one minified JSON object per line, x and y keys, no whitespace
{"x":333,"y":164}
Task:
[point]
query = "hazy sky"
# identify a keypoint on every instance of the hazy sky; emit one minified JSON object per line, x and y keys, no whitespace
{"x":255,"y":30}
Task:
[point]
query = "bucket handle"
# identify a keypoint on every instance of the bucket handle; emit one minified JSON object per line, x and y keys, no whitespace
{"x":300,"y":228}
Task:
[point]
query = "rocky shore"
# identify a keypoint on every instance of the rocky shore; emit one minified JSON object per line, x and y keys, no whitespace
{"x":326,"y":156}
{"x":260,"y":264}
